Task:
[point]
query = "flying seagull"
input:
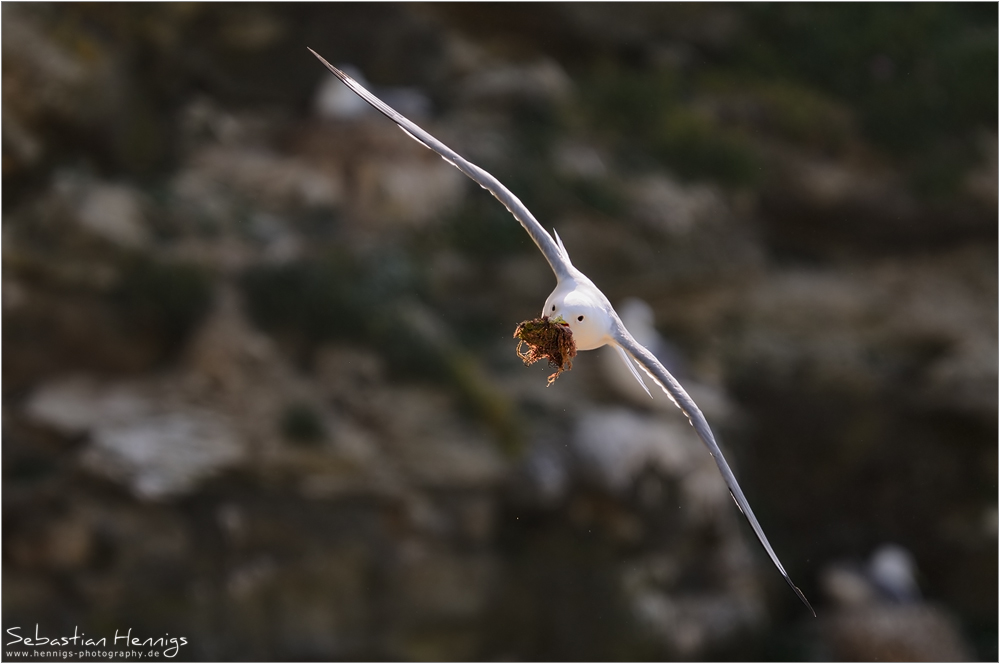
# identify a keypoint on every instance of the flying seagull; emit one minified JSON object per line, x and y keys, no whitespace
{"x":581,"y":305}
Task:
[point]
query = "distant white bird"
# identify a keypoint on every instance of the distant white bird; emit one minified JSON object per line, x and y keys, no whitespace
{"x":889,"y":577}
{"x":893,"y":571}
{"x":581,"y":305}
{"x":878,"y":614}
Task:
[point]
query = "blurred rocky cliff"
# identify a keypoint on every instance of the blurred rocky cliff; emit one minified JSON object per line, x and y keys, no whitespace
{"x":259,"y":384}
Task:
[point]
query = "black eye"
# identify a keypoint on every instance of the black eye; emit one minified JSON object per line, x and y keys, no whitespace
{"x":553,"y":307}
{"x":579,"y":317}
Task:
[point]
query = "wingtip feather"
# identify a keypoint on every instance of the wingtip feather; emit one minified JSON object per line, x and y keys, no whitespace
{"x":801,"y":597}
{"x":341,"y":75}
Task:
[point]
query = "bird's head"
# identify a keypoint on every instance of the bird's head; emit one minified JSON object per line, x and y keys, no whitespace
{"x":585,"y":312}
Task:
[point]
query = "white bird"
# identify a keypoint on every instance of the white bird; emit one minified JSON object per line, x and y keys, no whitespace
{"x":889,"y":577}
{"x":581,"y":305}
{"x":894,"y":572}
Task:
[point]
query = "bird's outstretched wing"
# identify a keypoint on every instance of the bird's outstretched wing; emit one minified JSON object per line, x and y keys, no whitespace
{"x":556,"y":258}
{"x":680,"y":397}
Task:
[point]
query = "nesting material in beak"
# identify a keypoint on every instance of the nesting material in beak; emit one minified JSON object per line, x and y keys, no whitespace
{"x":549,"y":339}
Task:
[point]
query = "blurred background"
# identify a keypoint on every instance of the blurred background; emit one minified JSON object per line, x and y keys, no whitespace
{"x":260,"y":389}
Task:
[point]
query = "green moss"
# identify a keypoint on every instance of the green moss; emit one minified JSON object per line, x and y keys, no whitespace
{"x":940,"y":172}
{"x":300,"y":423}
{"x":310,"y":302}
{"x":914,"y":72}
{"x":628,"y":101}
{"x":604,"y":196}
{"x":652,"y":112}
{"x":481,"y":399}
{"x":695,"y":147}
{"x":782,"y":109}
{"x":166,"y":299}
{"x":336,"y":297}
{"x":914,"y":81}
{"x":484,"y":228}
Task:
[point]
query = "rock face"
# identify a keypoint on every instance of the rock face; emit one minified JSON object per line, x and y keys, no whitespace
{"x":156,"y":448}
{"x":260,"y":388}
